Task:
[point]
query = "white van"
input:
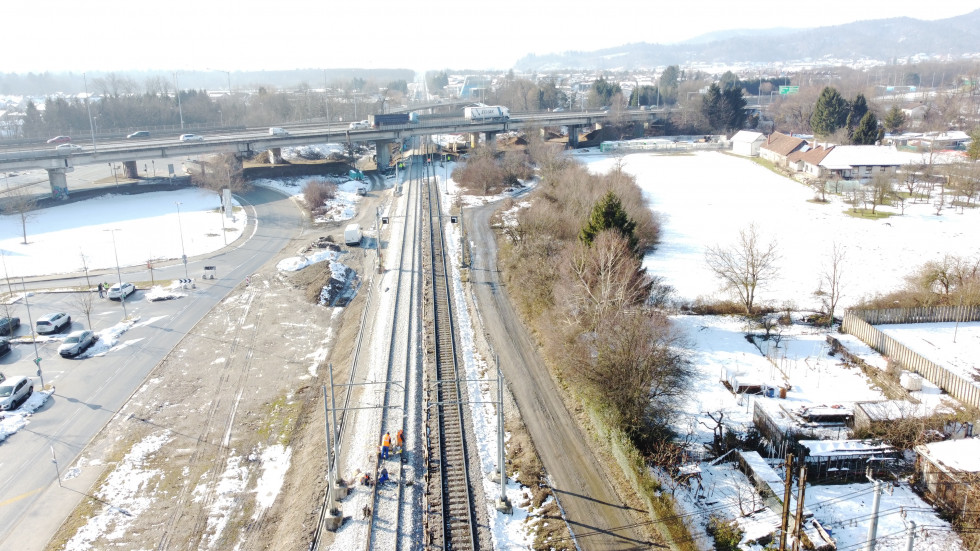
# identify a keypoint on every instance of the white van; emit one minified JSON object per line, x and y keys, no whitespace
{"x":352,"y":234}
{"x":360,"y":125}
{"x":276,"y":131}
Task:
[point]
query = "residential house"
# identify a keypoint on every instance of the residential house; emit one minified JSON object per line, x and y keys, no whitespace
{"x":950,"y":473}
{"x":778,"y":146}
{"x":861,"y":162}
{"x":747,"y":143}
{"x":807,"y":159}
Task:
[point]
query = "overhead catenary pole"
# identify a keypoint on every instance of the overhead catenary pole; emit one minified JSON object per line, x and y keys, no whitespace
{"x":326,"y":425}
{"x":502,"y":502}
{"x":910,"y":539}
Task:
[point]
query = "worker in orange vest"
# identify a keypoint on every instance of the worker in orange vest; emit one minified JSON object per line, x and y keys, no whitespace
{"x":399,"y":440}
{"x":385,"y":444}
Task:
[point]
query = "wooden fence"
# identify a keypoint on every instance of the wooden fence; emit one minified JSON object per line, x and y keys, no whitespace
{"x":936,"y":314}
{"x":954,"y":384}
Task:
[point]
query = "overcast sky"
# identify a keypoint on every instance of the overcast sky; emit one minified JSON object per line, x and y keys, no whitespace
{"x":118,"y":35}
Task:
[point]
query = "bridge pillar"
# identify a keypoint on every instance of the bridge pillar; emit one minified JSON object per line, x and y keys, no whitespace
{"x":275,"y":155}
{"x":573,"y":131}
{"x":130,"y":169}
{"x":474,"y":139}
{"x":382,"y":151}
{"x":491,"y":138}
{"x":58,"y":182}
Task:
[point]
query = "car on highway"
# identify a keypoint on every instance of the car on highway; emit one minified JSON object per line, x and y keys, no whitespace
{"x":360,"y":125}
{"x":52,"y":323}
{"x":14,"y":391}
{"x":59,"y":139}
{"x":4,"y":346}
{"x":67,"y":148}
{"x":191,"y":138}
{"x":138,"y":134}
{"x":8,"y":325}
{"x":76,"y":342}
{"x":119,"y":291}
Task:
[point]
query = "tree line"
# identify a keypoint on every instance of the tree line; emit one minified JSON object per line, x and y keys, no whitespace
{"x":573,"y":260}
{"x":116,"y":111}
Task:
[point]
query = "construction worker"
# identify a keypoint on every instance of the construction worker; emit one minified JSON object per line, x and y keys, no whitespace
{"x":385,"y":445}
{"x":383,"y":477}
{"x":366,"y":480}
{"x":399,"y":441}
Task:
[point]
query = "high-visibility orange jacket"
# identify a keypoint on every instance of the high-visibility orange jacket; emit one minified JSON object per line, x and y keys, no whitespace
{"x":386,"y":441}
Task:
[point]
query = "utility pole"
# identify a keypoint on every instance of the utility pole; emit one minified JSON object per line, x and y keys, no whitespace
{"x":799,"y":509}
{"x":910,"y":540}
{"x":784,"y":523}
{"x":873,"y":527}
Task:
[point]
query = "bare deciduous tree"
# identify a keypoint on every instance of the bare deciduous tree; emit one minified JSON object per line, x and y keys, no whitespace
{"x":745,"y":265}
{"x":23,"y":204}
{"x":882,"y":188}
{"x":84,"y":302}
{"x":829,"y":286}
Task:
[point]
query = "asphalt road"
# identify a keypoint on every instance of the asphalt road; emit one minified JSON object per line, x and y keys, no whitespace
{"x":593,"y":511}
{"x":90,"y":391}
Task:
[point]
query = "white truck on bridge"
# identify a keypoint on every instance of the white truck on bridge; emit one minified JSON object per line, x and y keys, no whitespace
{"x":486,"y":113}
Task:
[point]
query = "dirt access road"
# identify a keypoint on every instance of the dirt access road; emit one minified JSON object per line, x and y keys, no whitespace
{"x":232,"y":410}
{"x":594,"y":511}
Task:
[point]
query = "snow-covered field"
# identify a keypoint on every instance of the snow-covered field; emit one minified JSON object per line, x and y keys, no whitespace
{"x":704,"y":200}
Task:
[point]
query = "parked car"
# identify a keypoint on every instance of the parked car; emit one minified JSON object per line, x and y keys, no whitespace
{"x":52,"y":323}
{"x":59,"y":139}
{"x":191,"y":138}
{"x":76,"y":343}
{"x":8,"y":325}
{"x":138,"y":134}
{"x":14,"y":391}
{"x":118,"y":291}
{"x":68,"y":148}
{"x":4,"y":348}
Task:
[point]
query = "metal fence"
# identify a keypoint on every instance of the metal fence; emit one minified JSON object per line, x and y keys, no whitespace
{"x":954,"y":384}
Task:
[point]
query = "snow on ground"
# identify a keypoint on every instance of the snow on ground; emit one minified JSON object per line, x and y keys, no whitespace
{"x":126,"y":492}
{"x":954,"y":346}
{"x":13,"y":421}
{"x":313,"y":151}
{"x":68,"y":238}
{"x":846,"y":510}
{"x":704,"y":199}
{"x":718,"y":350}
{"x":342,"y":207}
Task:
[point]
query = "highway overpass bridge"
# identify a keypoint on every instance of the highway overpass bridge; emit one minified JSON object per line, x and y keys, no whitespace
{"x":246,"y":143}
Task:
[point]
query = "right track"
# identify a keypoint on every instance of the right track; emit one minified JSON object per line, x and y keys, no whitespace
{"x":451,"y":524}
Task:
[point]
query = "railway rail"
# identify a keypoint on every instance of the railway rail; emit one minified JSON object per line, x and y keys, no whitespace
{"x":450,"y":519}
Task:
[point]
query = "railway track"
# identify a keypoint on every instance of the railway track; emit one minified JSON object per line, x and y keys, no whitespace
{"x":388,"y":502}
{"x":450,"y":520}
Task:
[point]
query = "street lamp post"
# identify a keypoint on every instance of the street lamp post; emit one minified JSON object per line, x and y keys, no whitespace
{"x":115,"y":252}
{"x":88,"y":106}
{"x":180,"y":110}
{"x":180,"y":227}
{"x":37,"y":357}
